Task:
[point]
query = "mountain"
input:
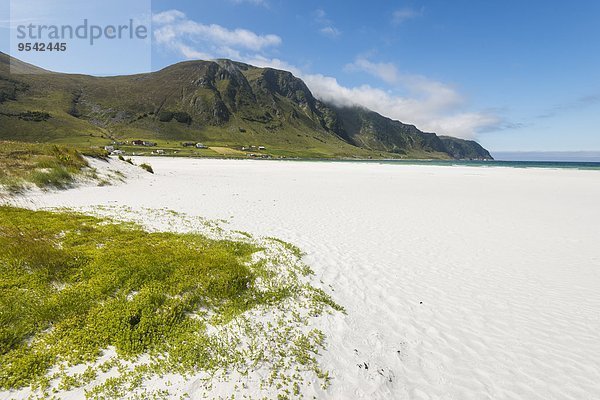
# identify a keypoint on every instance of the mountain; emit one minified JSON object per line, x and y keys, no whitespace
{"x":219,"y":103}
{"x":461,"y":149}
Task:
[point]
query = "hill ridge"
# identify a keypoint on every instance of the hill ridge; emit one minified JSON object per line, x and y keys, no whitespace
{"x":221,"y":102}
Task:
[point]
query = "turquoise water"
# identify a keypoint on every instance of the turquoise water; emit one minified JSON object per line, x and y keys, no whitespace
{"x":509,"y":164}
{"x":587,"y":165}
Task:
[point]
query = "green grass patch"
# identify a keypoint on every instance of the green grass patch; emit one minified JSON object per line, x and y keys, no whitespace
{"x":72,"y":286}
{"x":147,"y":167}
{"x":45,"y":165}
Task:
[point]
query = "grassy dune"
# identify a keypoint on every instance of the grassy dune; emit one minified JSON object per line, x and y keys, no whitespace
{"x":74,"y":286}
{"x":45,"y":165}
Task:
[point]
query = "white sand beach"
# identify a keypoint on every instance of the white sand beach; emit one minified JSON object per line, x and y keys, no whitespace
{"x":459,"y":282}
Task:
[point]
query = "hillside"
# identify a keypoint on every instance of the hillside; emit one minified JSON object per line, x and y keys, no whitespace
{"x":223,"y":104}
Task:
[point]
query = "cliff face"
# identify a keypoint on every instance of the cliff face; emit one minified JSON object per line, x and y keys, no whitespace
{"x":464,"y":149}
{"x":218,"y":101}
{"x":371,"y":130}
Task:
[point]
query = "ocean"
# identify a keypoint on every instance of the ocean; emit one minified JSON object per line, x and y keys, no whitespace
{"x":586,"y":165}
{"x":589,"y":165}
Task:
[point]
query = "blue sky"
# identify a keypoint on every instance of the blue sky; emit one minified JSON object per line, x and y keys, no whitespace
{"x":514,"y":75}
{"x":104,"y":57}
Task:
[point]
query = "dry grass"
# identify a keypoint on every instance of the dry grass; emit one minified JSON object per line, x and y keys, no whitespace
{"x":226,"y":151}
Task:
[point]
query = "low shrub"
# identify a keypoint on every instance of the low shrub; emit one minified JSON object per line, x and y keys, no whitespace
{"x":147,"y":167}
{"x":165,"y":116}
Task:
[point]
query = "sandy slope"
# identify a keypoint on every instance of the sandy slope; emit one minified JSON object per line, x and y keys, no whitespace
{"x":460,"y":283}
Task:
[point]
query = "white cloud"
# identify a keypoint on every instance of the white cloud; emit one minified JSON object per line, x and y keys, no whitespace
{"x":385,"y":71}
{"x":330,"y":31}
{"x":432,"y":106}
{"x":263,"y":3}
{"x":191,"y":53}
{"x":175,"y":31}
{"x":404,"y":14}
{"x":327,"y":27}
{"x":419,"y":86}
{"x":167,"y":17}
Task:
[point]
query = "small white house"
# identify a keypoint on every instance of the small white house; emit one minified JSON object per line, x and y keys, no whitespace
{"x":117,"y":153}
{"x":261,"y":147}
{"x":110,"y":149}
{"x":201,"y":146}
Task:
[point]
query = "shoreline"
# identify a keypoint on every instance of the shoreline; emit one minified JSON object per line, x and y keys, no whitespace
{"x":457,"y":282}
{"x":580,"y":165}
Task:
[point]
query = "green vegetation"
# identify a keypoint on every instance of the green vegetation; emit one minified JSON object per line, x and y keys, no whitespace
{"x":236,"y":106}
{"x":74,"y":286}
{"x":45,"y":165}
{"x":32,"y":116}
{"x":181,"y":117}
{"x":147,"y":167}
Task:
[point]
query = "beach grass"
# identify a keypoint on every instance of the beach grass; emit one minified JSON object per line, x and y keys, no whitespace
{"x":147,"y":167}
{"x":44,"y":165}
{"x":73,"y":286}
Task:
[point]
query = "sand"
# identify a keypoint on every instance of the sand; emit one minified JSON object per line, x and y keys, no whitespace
{"x":459,"y":282}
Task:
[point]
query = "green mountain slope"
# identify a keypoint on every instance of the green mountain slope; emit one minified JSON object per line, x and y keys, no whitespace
{"x":219,"y":103}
